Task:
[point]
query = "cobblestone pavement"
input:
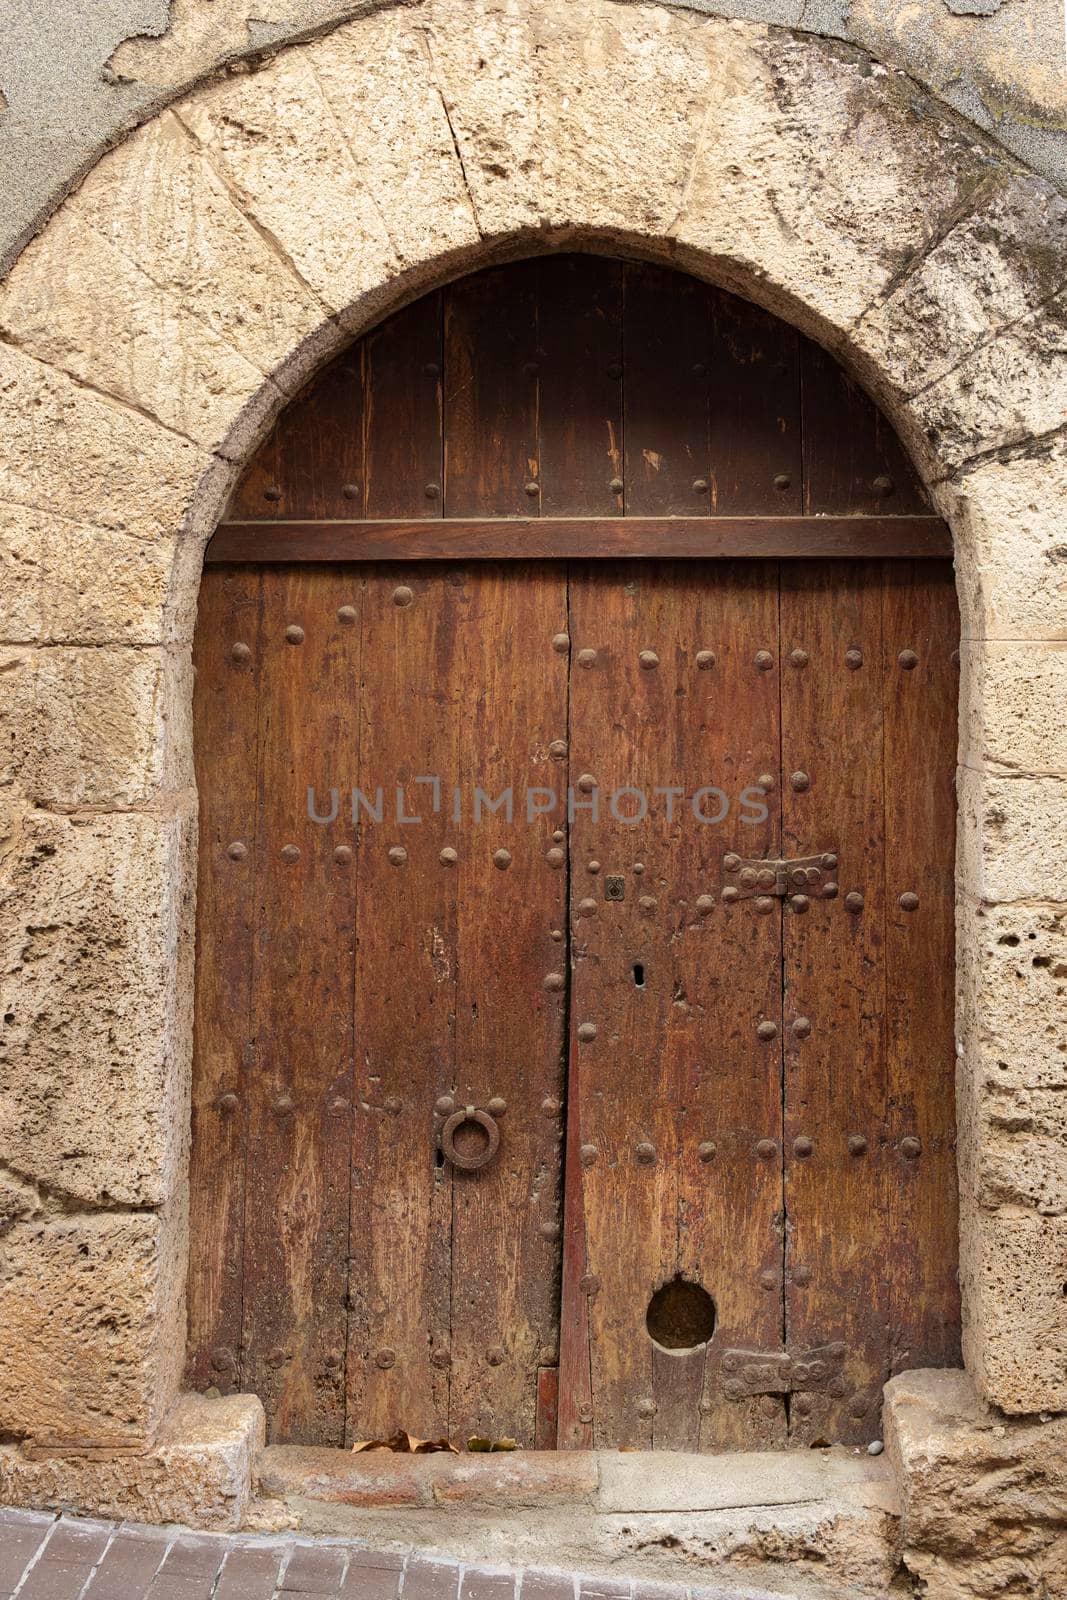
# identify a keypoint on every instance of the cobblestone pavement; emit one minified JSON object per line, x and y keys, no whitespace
{"x":44,"y":1557}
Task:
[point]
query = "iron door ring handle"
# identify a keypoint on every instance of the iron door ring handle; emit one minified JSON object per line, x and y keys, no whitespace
{"x":478,"y":1158}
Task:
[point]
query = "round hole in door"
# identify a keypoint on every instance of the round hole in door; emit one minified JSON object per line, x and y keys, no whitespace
{"x":680,"y":1316}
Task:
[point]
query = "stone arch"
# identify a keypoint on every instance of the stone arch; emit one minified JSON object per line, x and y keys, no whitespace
{"x":151,"y":333}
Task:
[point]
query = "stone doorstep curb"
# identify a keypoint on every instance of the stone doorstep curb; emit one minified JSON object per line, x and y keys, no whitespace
{"x":605,"y":1481}
{"x":45,"y":1557}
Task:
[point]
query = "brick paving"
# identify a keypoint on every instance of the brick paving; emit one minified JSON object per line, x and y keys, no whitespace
{"x":44,"y":1557}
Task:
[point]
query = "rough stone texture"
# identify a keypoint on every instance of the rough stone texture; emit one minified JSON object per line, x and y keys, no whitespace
{"x":198,"y":1471}
{"x":984,"y":1497}
{"x":88,"y":1310}
{"x":1011,"y":715}
{"x":379,"y":1478}
{"x":1009,"y":517}
{"x":94,"y":934}
{"x":222,"y":250}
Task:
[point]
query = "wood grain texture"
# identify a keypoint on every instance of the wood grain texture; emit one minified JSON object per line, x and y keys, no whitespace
{"x":225,"y":713}
{"x":525,"y":539}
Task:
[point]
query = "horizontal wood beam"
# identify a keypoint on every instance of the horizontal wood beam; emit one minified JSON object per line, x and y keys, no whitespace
{"x":555,"y":538}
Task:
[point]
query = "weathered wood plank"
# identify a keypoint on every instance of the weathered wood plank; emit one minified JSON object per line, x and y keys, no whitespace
{"x":523,"y":539}
{"x":667,"y":344}
{"x":853,"y":461}
{"x":581,"y":389}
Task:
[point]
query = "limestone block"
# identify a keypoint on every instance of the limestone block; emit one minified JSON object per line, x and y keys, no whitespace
{"x":1009,"y":391}
{"x":1013,"y":1268}
{"x":1012,"y":1009}
{"x":1011,"y":833}
{"x":984,"y":1497}
{"x":1012,"y":706}
{"x":815,"y":177}
{"x":159,"y":201}
{"x":1011,"y":549}
{"x":87,"y":1303}
{"x":999,"y":263}
{"x":88,"y":727}
{"x":89,"y":458}
{"x":286,"y":160}
{"x":70,"y":583}
{"x":380,"y":84}
{"x":198,"y":1472}
{"x":1021,"y":1141}
{"x":128,"y":337}
{"x":96,"y":946}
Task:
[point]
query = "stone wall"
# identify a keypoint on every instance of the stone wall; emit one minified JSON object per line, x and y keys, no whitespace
{"x":148,"y":337}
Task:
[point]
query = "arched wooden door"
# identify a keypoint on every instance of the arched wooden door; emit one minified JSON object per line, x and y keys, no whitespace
{"x":575,"y":714}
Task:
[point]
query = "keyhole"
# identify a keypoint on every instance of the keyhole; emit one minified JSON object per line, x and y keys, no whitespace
{"x":639,"y":974}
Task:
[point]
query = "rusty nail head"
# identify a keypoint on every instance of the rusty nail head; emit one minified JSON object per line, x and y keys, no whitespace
{"x":882,"y":485}
{"x":237,"y":850}
{"x":766,"y":781}
{"x":853,"y":659}
{"x":496,"y":1106}
{"x":272,"y":492}
{"x":587,"y":1032}
{"x":554,"y":981}
{"x":767,"y":878}
{"x":829,"y":891}
{"x":645,"y":1153}
{"x":290,"y":853}
{"x":283,"y":1104}
{"x":706,"y":1151}
{"x":616,"y":486}
{"x":495,"y":1356}
{"x":549,"y":1230}
{"x":228,"y":1101}
{"x":588,"y":1154}
{"x":402,"y":595}
{"x":730,"y":894}
{"x":385,"y":1359}
{"x":240,"y":652}
{"x":294,"y":634}
{"x":445,"y":1105}
{"x":559,"y":836}
{"x":648,"y":659}
{"x":908,"y":660}
{"x":802,"y":1027}
{"x":346,"y":614}
{"x":764,"y":660}
{"x":350,"y":491}
{"x":441,"y":1359}
{"x":782,"y":480}
{"x":705,"y":904}
{"x":909,"y":902}
{"x":448,"y":856}
{"x":748,"y":877}
{"x":561,"y":643}
{"x":764,"y":904}
{"x":397,"y":855}
{"x":799,"y":903}
{"x":646,"y":1408}
{"x":502,"y":859}
{"x":800,"y":782}
{"x":801,"y":1276}
{"x":589,"y":1284}
{"x":391,"y":1104}
{"x":586,"y":783}
{"x":802,"y":1146}
{"x":648,"y":902}
{"x":857,"y":1144}
{"x":766,"y":1149}
{"x":342,"y":853}
{"x":586,"y":908}
{"x":593,"y":867}
{"x":911,"y":1147}
{"x":853,"y":900}
{"x":587,"y":658}
{"x":705,"y":659}
{"x":829,"y":861}
{"x":532,"y":488}
{"x":798,"y":658}
{"x":432,"y":491}
{"x":799,"y":877}
{"x":585,"y":1412}
{"x":731,"y":863}
{"x":768,"y":1280}
{"x":554,"y":857}
{"x":700,"y":486}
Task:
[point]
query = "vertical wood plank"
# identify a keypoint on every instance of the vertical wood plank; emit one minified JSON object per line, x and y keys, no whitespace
{"x":854,"y":464}
{"x":511,"y":999}
{"x":491,"y":400}
{"x":225,"y":716}
{"x":580,"y":371}
{"x":920,"y":633}
{"x":668,"y":989}
{"x":835,"y":997}
{"x":667,"y":345}
{"x":320,"y":444}
{"x":410,"y":726}
{"x":754,"y":387}
{"x":296,"y":1207}
{"x":403,"y":450}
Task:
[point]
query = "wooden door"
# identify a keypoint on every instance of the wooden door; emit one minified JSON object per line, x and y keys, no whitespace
{"x":574,"y":974}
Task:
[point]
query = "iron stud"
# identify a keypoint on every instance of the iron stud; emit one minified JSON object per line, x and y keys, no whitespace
{"x":616,"y":486}
{"x":765,"y":781}
{"x":802,"y":1027}
{"x":350,"y":491}
{"x":496,"y":1106}
{"x":882,"y":486}
{"x":829,"y":890}
{"x":857,"y":1144}
{"x":587,"y":783}
{"x":432,"y":491}
{"x":589,"y":1284}
{"x":649,"y":660}
{"x":397,"y":855}
{"x":402,"y":595}
{"x":550,"y":1107}
{"x":767,"y":1030}
{"x":342,"y":854}
{"x":854,"y":901}
{"x":289,"y":853}
{"x":532,"y":488}
{"x":561,"y":643}
{"x":502,"y":859}
{"x":556,"y":934}
{"x":559,"y":836}
{"x":228,"y":1102}
{"x":586,"y":908}
{"x":908,"y":660}
{"x":277,"y":1357}
{"x":549,"y":1230}
{"x":705,"y":659}
{"x":237,"y":850}
{"x":764,"y":660}
{"x":800,"y":782}
{"x":766,"y":1149}
{"x":801,"y":1276}
{"x":385,"y":1359}
{"x":587,"y":1154}
{"x":593,"y":867}
{"x":799,"y":903}
{"x":391,"y":1104}
{"x":798,"y":658}
{"x":283,"y":1104}
{"x":768,"y":1280}
{"x":700,"y":486}
{"x":782,"y":480}
{"x":829,"y":862}
{"x":730,"y":894}
{"x":648,"y":902}
{"x":911,"y":1148}
{"x":705,"y":904}
{"x":445,"y":1105}
{"x":222,"y":1359}
{"x":638,"y":868}
{"x":763,"y":904}
{"x":440,"y":1359}
{"x":731,"y":862}
{"x":585,"y":1412}
{"x":645,"y":1153}
{"x":706,"y":1152}
{"x":909,"y":901}
{"x":294,"y":634}
{"x":853,"y":660}
{"x":586,"y":1032}
{"x":346,"y":614}
{"x":240,"y":652}
{"x":448,"y":856}
{"x":646,"y":1408}
{"x":272,"y":492}
{"x":554,"y":982}
{"x":802,"y":1146}
{"x":554,"y":857}
{"x":587,"y":658}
